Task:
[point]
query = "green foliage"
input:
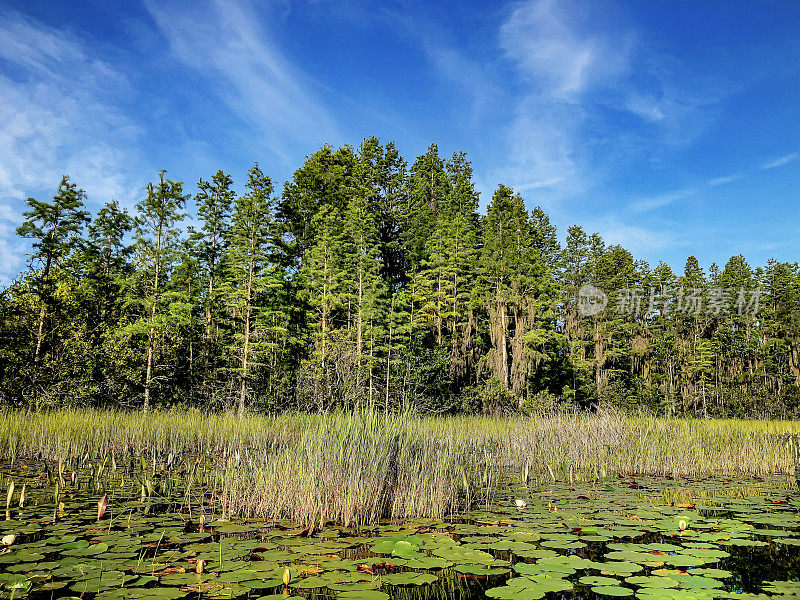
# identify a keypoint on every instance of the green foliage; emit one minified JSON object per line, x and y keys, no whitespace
{"x":369,"y":283}
{"x":54,"y":228}
{"x":157,"y":250}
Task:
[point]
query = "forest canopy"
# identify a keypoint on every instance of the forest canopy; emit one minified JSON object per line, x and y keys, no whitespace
{"x":369,"y":282}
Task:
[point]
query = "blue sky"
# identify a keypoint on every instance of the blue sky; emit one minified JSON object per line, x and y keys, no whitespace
{"x":670,"y":127}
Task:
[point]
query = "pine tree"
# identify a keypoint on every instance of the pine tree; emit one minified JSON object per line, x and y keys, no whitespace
{"x":184,"y":322}
{"x":544,"y":239}
{"x":692,"y":301}
{"x":324,"y":180}
{"x":543,"y":341}
{"x":321,"y":281}
{"x":380,"y":178}
{"x":575,"y":272}
{"x":361,"y":285}
{"x":214,"y":201}
{"x":54,"y":227}
{"x":614,"y":332}
{"x":511,"y":269}
{"x":659,"y":360}
{"x":251,"y":276}
{"x":156,"y":240}
{"x":108,"y":251}
{"x":424,"y":246}
{"x":428,"y":188}
{"x":106,"y":266}
{"x":456,"y":257}
{"x":780,"y":318}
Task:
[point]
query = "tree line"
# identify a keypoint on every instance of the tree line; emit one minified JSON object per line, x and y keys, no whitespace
{"x":371,"y":283}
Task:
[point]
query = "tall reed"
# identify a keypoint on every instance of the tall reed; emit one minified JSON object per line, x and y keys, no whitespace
{"x":355,"y":468}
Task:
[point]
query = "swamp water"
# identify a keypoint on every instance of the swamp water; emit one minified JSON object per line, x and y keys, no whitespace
{"x":615,"y":538}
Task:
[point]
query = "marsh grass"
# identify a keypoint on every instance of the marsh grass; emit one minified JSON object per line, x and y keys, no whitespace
{"x":355,"y":468}
{"x":349,"y":466}
{"x":708,"y":497}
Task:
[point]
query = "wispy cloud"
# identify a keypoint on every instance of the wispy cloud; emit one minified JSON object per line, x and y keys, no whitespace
{"x":639,"y":240}
{"x":779,"y":162}
{"x":557,"y":65}
{"x":12,"y":251}
{"x":226,"y":39}
{"x":542,"y":144}
{"x":717,"y":181}
{"x":31,"y":45}
{"x":552,"y":45}
{"x":578,"y":64}
{"x":647,"y":106}
{"x":57,"y":117}
{"x":667,"y":198}
{"x":472,"y":78}
{"x":661,"y":200}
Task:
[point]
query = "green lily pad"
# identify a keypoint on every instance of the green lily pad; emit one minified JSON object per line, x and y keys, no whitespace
{"x":594,"y":580}
{"x":409,"y":578}
{"x":461,"y":555}
{"x":612,"y":590}
{"x":481,"y":570}
{"x":363,"y":595}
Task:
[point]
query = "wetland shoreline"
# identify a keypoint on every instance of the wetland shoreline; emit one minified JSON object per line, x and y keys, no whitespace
{"x":358,"y":467}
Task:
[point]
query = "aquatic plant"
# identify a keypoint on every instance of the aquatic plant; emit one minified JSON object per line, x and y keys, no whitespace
{"x":357,"y":467}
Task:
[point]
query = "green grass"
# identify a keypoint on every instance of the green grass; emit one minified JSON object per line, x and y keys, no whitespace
{"x":354,"y":468}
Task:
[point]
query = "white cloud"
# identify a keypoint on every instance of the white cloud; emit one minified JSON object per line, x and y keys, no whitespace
{"x":779,"y":162}
{"x":7,"y":213}
{"x":225,"y":39}
{"x":659,"y":201}
{"x":579,"y":65}
{"x":667,"y":198}
{"x":548,"y":42}
{"x":646,"y":106}
{"x":34,"y":46}
{"x":542,"y":147}
{"x":717,"y":181}
{"x":12,"y":253}
{"x":57,"y":117}
{"x":558,"y":63}
{"x":639,"y":240}
{"x":473,"y":79}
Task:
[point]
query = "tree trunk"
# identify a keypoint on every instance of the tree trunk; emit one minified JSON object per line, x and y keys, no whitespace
{"x":148,"y":380}
{"x":245,"y":344}
{"x":149,"y":375}
{"x":39,"y":335}
{"x":498,"y":327}
{"x":42,"y":311}
{"x":359,"y":325}
{"x":389,"y":355}
{"x":439,"y":306}
{"x":599,"y":357}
